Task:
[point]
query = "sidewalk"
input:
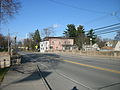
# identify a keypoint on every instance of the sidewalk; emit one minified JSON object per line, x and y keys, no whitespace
{"x":23,"y":77}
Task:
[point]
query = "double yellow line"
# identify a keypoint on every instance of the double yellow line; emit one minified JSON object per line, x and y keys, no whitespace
{"x":95,"y":67}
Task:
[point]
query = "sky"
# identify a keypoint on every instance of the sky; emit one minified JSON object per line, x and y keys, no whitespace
{"x":40,"y":14}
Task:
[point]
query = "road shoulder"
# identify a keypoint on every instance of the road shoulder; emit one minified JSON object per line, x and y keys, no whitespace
{"x":23,"y":77}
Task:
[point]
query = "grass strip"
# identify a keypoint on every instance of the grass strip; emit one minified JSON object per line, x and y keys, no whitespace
{"x":3,"y":71}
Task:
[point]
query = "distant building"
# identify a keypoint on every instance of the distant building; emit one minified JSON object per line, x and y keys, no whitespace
{"x":112,"y":46}
{"x":56,"y":44}
{"x":44,"y":46}
{"x":94,"y":47}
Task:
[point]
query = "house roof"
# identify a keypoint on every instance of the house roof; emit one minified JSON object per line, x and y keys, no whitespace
{"x":107,"y":48}
{"x":113,"y":42}
{"x":46,"y":38}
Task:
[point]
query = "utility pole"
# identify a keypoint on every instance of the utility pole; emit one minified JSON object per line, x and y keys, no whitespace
{"x":8,"y":41}
{"x":91,"y":43}
{"x":15,"y":42}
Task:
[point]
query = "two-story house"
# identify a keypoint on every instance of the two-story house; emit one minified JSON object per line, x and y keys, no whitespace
{"x":56,"y":44}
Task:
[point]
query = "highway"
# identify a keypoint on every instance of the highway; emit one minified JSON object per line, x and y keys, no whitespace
{"x":72,"y":72}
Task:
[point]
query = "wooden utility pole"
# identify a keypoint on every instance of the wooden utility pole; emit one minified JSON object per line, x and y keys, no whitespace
{"x":8,"y":41}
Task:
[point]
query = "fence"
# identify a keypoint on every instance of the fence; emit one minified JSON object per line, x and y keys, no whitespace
{"x":94,"y":53}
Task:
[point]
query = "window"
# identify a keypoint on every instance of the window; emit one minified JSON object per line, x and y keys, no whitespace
{"x":56,"y":48}
{"x":59,"y":42}
{"x":52,"y":42}
{"x":65,"y":42}
{"x":51,"y":47}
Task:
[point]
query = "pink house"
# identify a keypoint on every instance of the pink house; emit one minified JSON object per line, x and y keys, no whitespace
{"x":59,"y":43}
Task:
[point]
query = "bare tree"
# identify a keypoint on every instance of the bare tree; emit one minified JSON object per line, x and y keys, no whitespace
{"x":8,"y":8}
{"x":117,"y":37}
{"x":48,"y":31}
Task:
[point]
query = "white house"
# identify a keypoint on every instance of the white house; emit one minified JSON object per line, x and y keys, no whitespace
{"x":94,"y":47}
{"x":44,"y":46}
{"x":117,"y":46}
{"x":112,"y":46}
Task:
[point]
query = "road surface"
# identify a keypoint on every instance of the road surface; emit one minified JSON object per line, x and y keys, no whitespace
{"x":70,"y":72}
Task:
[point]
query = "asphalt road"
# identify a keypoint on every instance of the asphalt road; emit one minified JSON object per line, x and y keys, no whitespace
{"x":68,"y":72}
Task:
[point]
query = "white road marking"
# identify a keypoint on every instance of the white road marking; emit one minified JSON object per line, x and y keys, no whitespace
{"x":70,"y":78}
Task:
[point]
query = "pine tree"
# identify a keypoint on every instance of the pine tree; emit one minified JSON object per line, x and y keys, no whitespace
{"x":36,"y":37}
{"x":80,"y":39}
{"x":70,"y":31}
{"x":91,"y":35}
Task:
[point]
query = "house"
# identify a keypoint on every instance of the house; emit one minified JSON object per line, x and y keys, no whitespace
{"x":44,"y":46}
{"x":113,"y":45}
{"x":94,"y":47}
{"x":56,"y":44}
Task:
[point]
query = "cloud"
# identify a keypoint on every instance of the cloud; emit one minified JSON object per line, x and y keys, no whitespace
{"x":55,"y":25}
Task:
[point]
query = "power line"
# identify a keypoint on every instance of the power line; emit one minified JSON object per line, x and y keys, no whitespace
{"x":75,"y":7}
{"x":108,"y":29}
{"x":99,"y":29}
{"x":109,"y":32}
{"x":106,"y":26}
{"x":97,"y":19}
{"x":88,"y":10}
{"x":115,"y":14}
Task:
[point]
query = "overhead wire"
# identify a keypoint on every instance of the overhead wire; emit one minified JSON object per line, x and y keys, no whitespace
{"x":99,"y":29}
{"x":106,"y":26}
{"x":93,"y":11}
{"x":109,"y":32}
{"x":109,"y":29}
{"x":96,"y":19}
{"x":83,"y":9}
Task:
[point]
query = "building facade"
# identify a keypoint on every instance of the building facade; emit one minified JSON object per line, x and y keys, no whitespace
{"x":44,"y":46}
{"x":94,"y":47}
{"x":56,"y":44}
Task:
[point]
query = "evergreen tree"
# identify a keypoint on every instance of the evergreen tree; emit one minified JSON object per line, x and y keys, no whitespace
{"x":36,"y":37}
{"x":80,"y":39}
{"x":70,"y":31}
{"x":91,"y":35}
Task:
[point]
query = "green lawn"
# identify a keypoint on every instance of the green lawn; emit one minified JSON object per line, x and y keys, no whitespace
{"x":2,"y":73}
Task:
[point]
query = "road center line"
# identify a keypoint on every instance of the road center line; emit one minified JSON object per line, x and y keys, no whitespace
{"x":100,"y":68}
